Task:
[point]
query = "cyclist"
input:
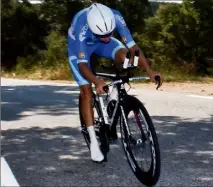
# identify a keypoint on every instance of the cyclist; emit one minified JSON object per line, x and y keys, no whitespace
{"x":91,"y":32}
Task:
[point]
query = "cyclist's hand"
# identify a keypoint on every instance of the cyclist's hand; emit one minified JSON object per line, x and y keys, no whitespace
{"x":153,"y":75}
{"x":99,"y":84}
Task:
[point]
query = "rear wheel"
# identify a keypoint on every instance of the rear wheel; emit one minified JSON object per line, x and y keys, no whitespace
{"x":140,"y":141}
{"x":83,"y":126}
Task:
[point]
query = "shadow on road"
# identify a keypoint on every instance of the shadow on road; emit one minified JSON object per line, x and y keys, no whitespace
{"x":186,"y":147}
{"x":58,"y":156}
{"x":51,"y":100}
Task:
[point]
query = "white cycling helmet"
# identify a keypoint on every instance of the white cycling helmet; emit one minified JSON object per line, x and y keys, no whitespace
{"x":100,"y":19}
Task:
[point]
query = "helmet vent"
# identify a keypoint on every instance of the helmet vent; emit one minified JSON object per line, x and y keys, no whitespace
{"x":106,"y":26}
{"x":99,"y":28}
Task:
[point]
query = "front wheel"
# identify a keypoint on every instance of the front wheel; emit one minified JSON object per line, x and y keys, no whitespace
{"x":140,"y":141}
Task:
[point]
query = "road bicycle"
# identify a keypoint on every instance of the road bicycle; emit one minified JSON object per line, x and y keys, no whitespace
{"x":138,"y":136}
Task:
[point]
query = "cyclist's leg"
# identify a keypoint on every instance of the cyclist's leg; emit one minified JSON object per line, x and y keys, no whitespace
{"x":86,"y":108}
{"x":85,"y":91}
{"x":114,"y":50}
{"x":85,"y":85}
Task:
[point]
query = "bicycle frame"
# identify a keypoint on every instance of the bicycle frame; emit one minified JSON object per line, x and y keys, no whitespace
{"x":121,"y":93}
{"x":119,"y":82}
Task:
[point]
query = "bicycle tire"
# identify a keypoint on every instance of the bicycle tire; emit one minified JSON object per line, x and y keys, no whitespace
{"x":83,"y":126}
{"x":151,"y":176}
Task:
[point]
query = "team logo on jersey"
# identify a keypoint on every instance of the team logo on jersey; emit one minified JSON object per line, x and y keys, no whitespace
{"x":81,"y":55}
{"x":94,"y":38}
{"x":124,"y":39}
{"x":83,"y":32}
{"x":121,"y":19}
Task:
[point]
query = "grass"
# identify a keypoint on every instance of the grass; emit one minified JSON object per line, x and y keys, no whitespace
{"x":62,"y":72}
{"x":187,"y":78}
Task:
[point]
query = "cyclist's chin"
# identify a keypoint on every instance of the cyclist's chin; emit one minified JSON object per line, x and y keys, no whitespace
{"x":105,"y":40}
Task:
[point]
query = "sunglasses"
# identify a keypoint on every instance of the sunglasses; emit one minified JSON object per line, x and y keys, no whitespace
{"x":103,"y":36}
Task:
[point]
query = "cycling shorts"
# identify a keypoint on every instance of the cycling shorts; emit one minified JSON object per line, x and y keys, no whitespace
{"x":101,"y":49}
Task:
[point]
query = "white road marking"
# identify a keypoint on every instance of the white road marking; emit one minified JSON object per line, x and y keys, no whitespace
{"x":199,"y":96}
{"x":7,"y":177}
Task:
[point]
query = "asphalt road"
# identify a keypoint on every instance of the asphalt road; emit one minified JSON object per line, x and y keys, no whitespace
{"x":42,"y":143}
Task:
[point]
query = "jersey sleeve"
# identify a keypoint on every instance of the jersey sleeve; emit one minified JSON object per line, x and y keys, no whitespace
{"x":123,"y":30}
{"x":81,"y":48}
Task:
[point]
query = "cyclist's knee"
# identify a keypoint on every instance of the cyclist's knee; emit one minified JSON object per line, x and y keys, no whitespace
{"x":86,"y":92}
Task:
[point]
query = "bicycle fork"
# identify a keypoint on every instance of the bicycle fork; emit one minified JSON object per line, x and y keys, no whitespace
{"x":126,"y":136}
{"x":132,"y":140}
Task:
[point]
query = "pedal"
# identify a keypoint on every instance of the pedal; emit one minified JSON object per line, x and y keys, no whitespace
{"x":105,"y":159}
{"x":104,"y":152}
{"x":113,"y":134}
{"x":104,"y":149}
{"x":113,"y":137}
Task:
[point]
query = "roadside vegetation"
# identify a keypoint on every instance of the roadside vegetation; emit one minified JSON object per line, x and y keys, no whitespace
{"x":178,"y":38}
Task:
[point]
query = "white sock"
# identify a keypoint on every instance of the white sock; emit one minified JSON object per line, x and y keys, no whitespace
{"x":96,"y":153}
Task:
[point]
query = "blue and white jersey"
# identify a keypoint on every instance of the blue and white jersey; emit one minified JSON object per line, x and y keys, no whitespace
{"x":81,"y":37}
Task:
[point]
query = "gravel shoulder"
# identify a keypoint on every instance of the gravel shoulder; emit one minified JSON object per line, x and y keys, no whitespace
{"x":205,"y":89}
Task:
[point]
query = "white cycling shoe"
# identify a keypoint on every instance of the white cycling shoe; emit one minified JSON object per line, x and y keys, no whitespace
{"x":96,"y":154}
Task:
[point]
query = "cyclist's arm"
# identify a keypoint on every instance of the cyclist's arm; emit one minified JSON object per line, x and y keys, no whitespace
{"x":83,"y":62}
{"x":87,"y":73}
{"x":142,"y":62}
{"x":127,"y":38}
{"x":123,"y":30}
{"x":81,"y":49}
